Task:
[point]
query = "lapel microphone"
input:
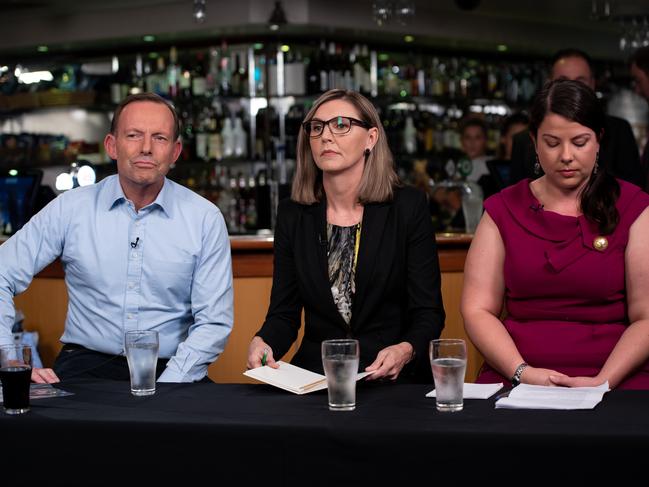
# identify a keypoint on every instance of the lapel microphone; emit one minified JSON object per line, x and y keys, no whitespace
{"x":321,"y":240}
{"x":134,"y":244}
{"x":536,"y":207}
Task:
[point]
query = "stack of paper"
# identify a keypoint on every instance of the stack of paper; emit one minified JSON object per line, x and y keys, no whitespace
{"x":291,"y":378}
{"x":476,"y":391}
{"x":527,"y":396}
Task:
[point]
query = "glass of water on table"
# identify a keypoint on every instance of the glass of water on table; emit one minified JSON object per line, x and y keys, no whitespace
{"x":340,"y":360}
{"x":142,"y":356}
{"x":448,"y":360}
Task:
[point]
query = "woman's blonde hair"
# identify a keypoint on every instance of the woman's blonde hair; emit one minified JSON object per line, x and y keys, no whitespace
{"x":379,"y":177}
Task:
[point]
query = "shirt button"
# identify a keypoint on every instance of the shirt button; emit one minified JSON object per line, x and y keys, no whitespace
{"x":130,"y":285}
{"x":133,"y":255}
{"x":129,"y":316}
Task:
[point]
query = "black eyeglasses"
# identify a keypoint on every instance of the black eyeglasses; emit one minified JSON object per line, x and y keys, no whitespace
{"x":338,"y":126}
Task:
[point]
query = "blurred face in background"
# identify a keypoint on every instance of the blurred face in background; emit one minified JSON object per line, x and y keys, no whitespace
{"x":574,"y":68}
{"x":507,"y":140}
{"x":641,"y":81}
{"x":474,"y":141}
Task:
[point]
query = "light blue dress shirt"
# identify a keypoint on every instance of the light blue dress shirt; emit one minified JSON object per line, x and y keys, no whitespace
{"x":166,"y":268}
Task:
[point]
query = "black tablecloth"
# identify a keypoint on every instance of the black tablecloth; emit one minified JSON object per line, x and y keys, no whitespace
{"x":242,"y":434}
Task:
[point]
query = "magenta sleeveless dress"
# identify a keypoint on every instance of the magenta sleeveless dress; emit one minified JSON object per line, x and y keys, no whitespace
{"x":565,"y":300}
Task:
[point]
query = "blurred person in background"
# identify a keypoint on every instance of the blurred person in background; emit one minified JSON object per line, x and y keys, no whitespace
{"x":473,"y":138}
{"x":514,"y":124}
{"x":619,"y":148}
{"x":640,"y":73}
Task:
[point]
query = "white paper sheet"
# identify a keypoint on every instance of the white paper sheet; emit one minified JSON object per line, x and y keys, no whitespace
{"x":476,"y":391}
{"x":526,"y":396}
{"x":291,"y":378}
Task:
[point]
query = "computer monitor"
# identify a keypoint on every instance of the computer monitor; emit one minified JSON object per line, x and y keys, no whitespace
{"x":18,"y":192}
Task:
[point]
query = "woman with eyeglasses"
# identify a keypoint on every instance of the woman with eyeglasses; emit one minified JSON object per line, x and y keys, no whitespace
{"x":354,"y":249}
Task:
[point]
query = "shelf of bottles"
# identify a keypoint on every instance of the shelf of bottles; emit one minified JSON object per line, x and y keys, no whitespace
{"x":241,"y":107}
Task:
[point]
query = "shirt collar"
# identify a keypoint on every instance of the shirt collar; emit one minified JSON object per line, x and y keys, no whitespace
{"x":114,"y":195}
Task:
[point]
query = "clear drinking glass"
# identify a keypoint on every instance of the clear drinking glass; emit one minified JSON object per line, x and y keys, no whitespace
{"x":142,"y":356}
{"x":340,"y":361}
{"x":15,"y":374}
{"x":448,"y":360}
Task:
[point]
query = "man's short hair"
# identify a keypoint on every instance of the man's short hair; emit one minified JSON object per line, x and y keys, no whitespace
{"x":151,"y":97}
{"x":572,"y":52}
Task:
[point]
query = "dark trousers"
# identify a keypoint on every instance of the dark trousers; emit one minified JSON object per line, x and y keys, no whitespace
{"x":75,"y":361}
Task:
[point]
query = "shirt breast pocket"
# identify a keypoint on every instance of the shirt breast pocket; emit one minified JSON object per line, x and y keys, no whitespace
{"x":168,"y":279}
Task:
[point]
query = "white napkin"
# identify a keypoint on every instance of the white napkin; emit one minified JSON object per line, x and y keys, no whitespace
{"x":476,"y":391}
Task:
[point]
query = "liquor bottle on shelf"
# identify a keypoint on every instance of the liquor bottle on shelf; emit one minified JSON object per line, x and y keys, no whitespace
{"x":212,"y":79}
{"x":227,"y":137}
{"x":173,"y":73}
{"x":359,"y":58}
{"x":294,"y":74}
{"x":313,"y":72}
{"x":199,"y":81}
{"x":215,"y":144}
{"x":239,"y":139}
{"x":409,"y":136}
{"x":263,"y":203}
{"x":225,"y":74}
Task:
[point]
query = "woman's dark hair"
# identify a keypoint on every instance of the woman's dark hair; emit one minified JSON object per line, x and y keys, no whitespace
{"x":575,"y":101}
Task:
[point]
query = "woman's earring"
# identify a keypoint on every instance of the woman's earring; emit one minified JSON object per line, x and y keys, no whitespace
{"x":366,"y":153}
{"x":596,"y":167}
{"x":537,"y":167}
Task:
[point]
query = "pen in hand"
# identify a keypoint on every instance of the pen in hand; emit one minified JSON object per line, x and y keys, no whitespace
{"x":264,"y":357}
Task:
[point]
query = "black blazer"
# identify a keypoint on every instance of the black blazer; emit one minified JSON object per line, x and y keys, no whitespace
{"x":619,"y":152}
{"x":398,"y":296}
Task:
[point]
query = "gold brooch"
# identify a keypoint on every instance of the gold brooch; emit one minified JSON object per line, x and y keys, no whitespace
{"x":600,"y":243}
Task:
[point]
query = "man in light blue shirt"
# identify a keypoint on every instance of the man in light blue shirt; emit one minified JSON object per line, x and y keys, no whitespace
{"x":139,"y":251}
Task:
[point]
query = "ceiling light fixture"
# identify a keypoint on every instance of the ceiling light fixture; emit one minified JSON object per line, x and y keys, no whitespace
{"x":200,"y":11}
{"x":277,"y":17}
{"x":389,"y":11}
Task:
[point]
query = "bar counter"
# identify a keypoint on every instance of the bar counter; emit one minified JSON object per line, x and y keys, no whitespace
{"x":45,"y":302}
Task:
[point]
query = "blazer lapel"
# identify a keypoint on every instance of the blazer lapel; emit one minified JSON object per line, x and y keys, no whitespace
{"x":375,"y":217}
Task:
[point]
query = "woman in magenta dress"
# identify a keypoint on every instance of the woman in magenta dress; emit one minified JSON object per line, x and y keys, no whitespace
{"x":564,"y":260}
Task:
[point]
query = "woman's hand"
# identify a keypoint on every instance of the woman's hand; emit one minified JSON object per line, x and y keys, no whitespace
{"x":257,"y":350}
{"x":44,"y":376}
{"x":566,"y":381}
{"x":541,"y":377}
{"x":390,"y":361}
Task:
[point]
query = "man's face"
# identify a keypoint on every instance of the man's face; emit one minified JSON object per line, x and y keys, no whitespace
{"x":573,"y":68}
{"x":143,"y":145}
{"x":641,"y":81}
